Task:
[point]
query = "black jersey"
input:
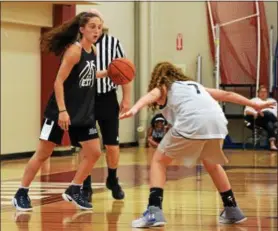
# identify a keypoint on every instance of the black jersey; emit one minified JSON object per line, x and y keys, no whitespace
{"x":158,"y":134}
{"x":79,"y":93}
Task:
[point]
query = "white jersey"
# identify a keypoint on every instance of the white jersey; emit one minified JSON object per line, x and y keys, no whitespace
{"x":193,"y":113}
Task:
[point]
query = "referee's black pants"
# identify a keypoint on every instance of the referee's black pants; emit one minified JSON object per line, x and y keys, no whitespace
{"x":107,"y":116}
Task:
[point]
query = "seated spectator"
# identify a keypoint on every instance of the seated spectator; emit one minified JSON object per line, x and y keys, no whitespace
{"x":157,"y":130}
{"x":266,"y":119}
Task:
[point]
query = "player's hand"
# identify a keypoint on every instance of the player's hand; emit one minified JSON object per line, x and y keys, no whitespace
{"x":64,"y":120}
{"x":101,"y":74}
{"x":124,"y":106}
{"x":128,"y":114}
{"x":260,"y":106}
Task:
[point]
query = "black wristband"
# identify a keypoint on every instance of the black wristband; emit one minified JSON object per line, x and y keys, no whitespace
{"x":62,"y":111}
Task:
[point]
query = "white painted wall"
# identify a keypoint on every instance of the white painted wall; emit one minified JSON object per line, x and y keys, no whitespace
{"x":20,"y":73}
{"x":20,"y":69}
{"x":272,"y":18}
{"x":189,"y":19}
{"x":20,"y":88}
{"x":29,"y":13}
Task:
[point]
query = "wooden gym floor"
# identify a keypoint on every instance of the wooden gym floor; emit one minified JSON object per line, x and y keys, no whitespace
{"x":191,"y":201}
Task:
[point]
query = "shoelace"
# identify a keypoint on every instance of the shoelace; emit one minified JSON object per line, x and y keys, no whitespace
{"x":76,"y":196}
{"x":145,"y":216}
{"x":82,"y":197}
{"x":23,"y":201}
{"x":79,"y":197}
{"x":145,"y":213}
{"x":22,"y":196}
{"x":222,"y":213}
{"x":116,"y":185}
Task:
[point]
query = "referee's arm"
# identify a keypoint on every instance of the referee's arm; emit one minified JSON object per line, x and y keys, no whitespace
{"x":125,"y":104}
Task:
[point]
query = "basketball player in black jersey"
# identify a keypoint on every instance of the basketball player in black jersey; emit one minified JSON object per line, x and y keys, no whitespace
{"x":158,"y":129}
{"x":71,"y":106}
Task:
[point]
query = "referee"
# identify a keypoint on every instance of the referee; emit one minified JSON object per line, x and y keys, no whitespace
{"x":108,"y":109}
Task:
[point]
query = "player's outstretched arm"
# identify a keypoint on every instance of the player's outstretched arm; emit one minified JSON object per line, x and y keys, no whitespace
{"x":232,"y":97}
{"x":145,"y":100}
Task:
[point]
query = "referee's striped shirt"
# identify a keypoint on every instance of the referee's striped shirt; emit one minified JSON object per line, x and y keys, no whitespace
{"x":108,"y":48}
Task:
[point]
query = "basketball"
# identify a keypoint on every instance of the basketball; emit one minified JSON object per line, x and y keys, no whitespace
{"x":121,"y":71}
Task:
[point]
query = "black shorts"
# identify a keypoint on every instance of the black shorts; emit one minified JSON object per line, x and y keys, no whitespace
{"x":107,"y":116}
{"x":51,"y":131}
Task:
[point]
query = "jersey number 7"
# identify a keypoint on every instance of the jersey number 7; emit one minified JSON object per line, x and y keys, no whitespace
{"x":196,"y":86}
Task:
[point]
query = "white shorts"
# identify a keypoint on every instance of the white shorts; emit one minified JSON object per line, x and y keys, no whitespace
{"x":178,"y":147}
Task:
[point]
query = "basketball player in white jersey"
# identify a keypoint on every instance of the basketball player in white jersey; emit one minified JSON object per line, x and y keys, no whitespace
{"x":198,"y":129}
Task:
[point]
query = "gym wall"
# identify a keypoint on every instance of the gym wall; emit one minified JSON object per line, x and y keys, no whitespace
{"x":20,"y":74}
{"x":20,"y":57}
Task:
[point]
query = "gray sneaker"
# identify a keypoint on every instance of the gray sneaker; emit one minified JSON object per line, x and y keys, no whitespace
{"x":232,"y":215}
{"x":153,"y":217}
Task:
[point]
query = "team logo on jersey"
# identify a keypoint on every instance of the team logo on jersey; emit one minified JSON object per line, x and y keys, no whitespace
{"x":87,"y":75}
{"x":92,"y":131}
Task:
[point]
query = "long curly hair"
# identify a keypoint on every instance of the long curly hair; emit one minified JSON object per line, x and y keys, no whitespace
{"x":60,"y":38}
{"x":165,"y":73}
